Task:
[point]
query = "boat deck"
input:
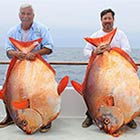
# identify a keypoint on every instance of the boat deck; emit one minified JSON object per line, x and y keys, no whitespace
{"x":68,"y":125}
{"x":68,"y":129}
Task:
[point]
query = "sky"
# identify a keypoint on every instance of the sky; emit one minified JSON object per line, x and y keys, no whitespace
{"x":72,"y":20}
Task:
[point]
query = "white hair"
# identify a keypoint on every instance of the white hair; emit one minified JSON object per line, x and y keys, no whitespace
{"x":26,"y":5}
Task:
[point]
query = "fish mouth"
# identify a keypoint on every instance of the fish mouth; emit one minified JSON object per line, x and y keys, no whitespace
{"x":99,"y":124}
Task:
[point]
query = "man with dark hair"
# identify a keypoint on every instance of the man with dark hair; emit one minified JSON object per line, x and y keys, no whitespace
{"x":119,"y":40}
{"x":104,"y":12}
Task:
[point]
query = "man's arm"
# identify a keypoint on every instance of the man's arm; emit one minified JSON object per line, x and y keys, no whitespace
{"x":20,"y":55}
{"x":43,"y":51}
{"x":125,"y":45}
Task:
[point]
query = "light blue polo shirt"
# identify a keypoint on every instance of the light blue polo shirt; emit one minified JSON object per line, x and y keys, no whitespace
{"x":36,"y":31}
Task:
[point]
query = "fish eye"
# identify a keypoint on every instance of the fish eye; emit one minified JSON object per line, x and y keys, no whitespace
{"x":24,"y":122}
{"x":106,"y":121}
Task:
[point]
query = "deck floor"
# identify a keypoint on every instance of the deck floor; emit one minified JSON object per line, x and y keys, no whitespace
{"x":69,"y":129}
{"x":66,"y":127}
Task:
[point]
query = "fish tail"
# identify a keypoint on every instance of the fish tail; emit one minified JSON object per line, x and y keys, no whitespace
{"x":102,"y":40}
{"x":2,"y":91}
{"x":25,"y":46}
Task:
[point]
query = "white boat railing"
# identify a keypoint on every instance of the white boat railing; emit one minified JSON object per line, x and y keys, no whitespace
{"x":63,"y":63}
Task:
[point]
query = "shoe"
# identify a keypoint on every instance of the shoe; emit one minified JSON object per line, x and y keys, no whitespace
{"x":87,"y":122}
{"x":132,"y":124}
{"x":46,"y":128}
{"x":7,"y":121}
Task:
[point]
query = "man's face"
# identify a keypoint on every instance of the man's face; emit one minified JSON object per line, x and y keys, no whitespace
{"x":26,"y":15}
{"x":107,"y":22}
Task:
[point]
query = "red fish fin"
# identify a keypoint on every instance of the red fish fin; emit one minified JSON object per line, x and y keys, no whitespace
{"x":125,"y":55}
{"x":25,"y":46}
{"x":11,"y":65}
{"x":92,"y":57}
{"x":62,"y":85}
{"x":2,"y":91}
{"x":78,"y":87}
{"x":106,"y":39}
{"x":21,"y":104}
{"x":109,"y":100}
{"x":106,"y":101}
{"x":45,"y":62}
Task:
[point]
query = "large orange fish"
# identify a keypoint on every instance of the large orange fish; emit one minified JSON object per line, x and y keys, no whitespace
{"x":111,"y":87}
{"x":30,"y":91}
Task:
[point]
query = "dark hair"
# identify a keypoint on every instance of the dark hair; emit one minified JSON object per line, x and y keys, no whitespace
{"x":104,"y":12}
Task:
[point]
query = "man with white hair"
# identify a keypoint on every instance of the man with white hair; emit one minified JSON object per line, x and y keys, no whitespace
{"x":25,"y":31}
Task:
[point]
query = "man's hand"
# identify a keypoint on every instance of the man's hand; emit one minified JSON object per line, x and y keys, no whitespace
{"x":101,"y":49}
{"x":20,"y":55}
{"x":30,"y":56}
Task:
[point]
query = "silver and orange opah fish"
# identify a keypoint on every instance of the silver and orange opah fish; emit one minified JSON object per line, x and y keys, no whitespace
{"x":30,"y":91}
{"x":111,"y":87}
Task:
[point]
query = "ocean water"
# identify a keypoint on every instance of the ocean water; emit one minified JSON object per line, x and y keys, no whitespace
{"x":75,"y":72}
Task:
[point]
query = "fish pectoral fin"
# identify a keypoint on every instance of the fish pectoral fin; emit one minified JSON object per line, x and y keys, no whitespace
{"x":62,"y":85}
{"x":21,"y":104}
{"x":106,"y":101}
{"x":109,"y":101}
{"x":2,"y":92}
{"x":11,"y":65}
{"x":77,"y":87}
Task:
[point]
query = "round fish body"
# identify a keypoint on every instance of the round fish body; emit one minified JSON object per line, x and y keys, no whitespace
{"x":30,"y":91}
{"x":111,"y":87}
{"x":35,"y":83}
{"x":112,"y":91}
